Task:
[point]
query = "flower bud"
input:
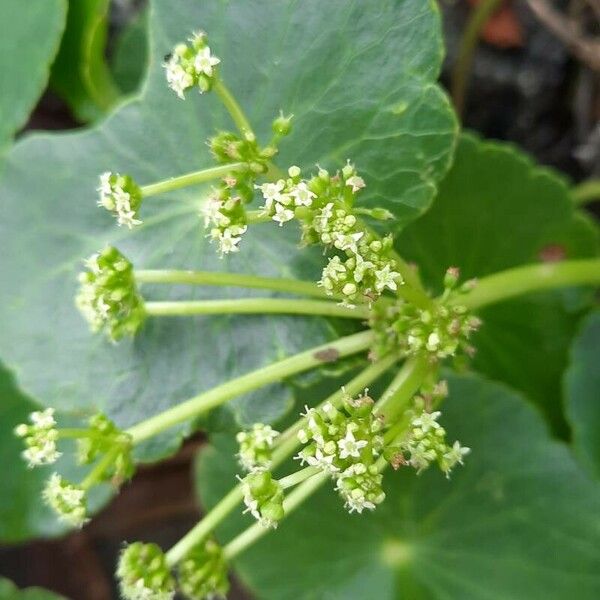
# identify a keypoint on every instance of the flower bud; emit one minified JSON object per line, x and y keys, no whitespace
{"x":143,"y":573}
{"x":282,"y":125}
{"x":66,"y":499}
{"x":202,"y":573}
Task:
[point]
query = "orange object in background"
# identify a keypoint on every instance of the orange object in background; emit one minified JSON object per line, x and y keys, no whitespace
{"x":503,"y":29}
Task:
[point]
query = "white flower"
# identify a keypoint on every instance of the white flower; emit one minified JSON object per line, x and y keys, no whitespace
{"x":229,"y":239}
{"x":386,"y":278}
{"x":454,"y":456}
{"x":204,"y":62}
{"x":302,"y":195}
{"x":282,"y":214}
{"x":264,"y":434}
{"x":433,"y":342}
{"x":178,"y":79}
{"x":349,"y":446}
{"x":43,"y":418}
{"x":356,"y":183}
{"x":356,"y":501}
{"x":427,"y":421}
{"x":362,"y":266}
{"x":347,"y":241}
{"x":66,"y":499}
{"x":271,"y":192}
{"x":211,"y":212}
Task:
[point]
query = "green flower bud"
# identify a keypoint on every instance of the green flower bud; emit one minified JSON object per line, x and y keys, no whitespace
{"x":202,"y":574}
{"x":143,"y":573}
{"x":282,"y":125}
{"x":108,"y":296}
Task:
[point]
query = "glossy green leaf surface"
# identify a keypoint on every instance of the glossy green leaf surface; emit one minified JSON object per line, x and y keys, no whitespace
{"x":30,"y":33}
{"x":360,"y":84}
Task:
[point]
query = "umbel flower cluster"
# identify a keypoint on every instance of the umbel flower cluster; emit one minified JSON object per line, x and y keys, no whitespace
{"x":346,"y":443}
{"x":362,"y":267}
{"x":108,"y":296}
{"x":145,"y":574}
{"x":120,"y":195}
{"x":256,"y":447}
{"x":439,"y":331}
{"x":191,"y":65}
{"x":101,"y":443}
{"x":424,"y":441}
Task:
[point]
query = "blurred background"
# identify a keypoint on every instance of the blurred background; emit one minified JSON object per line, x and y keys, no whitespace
{"x":526,"y":71}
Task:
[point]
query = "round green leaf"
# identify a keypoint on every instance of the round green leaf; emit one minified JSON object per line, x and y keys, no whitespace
{"x":360,"y":84}
{"x":29,"y":36}
{"x":582,"y":393}
{"x":496,"y":210}
{"x":519,"y":520}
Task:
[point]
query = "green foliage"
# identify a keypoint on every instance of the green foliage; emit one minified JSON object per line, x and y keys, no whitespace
{"x":8,"y":591}
{"x":505,"y":526}
{"x":29,"y":37}
{"x":582,"y":393}
{"x":497,"y":210}
{"x":130,"y":54}
{"x":80,"y":73}
{"x":393,"y":121}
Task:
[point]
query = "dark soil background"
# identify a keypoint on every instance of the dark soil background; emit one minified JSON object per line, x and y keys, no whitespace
{"x":525,"y":87}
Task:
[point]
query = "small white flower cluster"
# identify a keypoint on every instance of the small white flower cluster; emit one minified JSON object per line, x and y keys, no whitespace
{"x":256,"y":447}
{"x":66,"y":499}
{"x":108,"y":296}
{"x":439,"y":332}
{"x":284,"y":196}
{"x":202,"y":574}
{"x":425,"y":441}
{"x":346,"y":443}
{"x":120,"y":195}
{"x":144,"y":574}
{"x":263,"y":497}
{"x":40,"y":438}
{"x":191,"y":65}
{"x":227,"y":221}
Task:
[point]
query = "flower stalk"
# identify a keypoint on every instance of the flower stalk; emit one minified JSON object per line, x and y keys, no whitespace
{"x":287,"y":367}
{"x":255,"y":306}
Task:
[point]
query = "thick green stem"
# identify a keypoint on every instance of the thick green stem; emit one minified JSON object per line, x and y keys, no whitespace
{"x":531,"y":278}
{"x":291,"y":286}
{"x":100,"y":468}
{"x":74,"y":433}
{"x":298,"y":477}
{"x":277,"y":371}
{"x":234,"y":109}
{"x":286,"y":443}
{"x":255,"y":306}
{"x":586,"y":192}
{"x":403,"y":387}
{"x":256,"y":531}
{"x":175,"y":183}
{"x":462,"y":67}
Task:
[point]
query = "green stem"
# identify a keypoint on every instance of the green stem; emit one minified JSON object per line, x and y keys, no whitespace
{"x":298,"y":477}
{"x":291,"y":502}
{"x":99,"y":469}
{"x":286,"y":443}
{"x":257,"y":216}
{"x":255,"y":306}
{"x":73,"y":433}
{"x":586,"y":192}
{"x":291,"y":286}
{"x":531,"y":278}
{"x":470,"y":37}
{"x":234,"y":109}
{"x":403,"y":387}
{"x":277,"y":371}
{"x":175,"y":183}
{"x":201,"y":531}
